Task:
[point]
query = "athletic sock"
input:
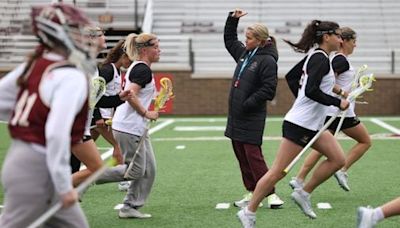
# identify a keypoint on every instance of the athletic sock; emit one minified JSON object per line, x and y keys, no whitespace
{"x":247,"y":212}
{"x":378,"y":215}
{"x":304,"y":193}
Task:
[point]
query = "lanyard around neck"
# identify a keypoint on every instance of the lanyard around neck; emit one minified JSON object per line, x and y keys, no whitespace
{"x":244,"y":64}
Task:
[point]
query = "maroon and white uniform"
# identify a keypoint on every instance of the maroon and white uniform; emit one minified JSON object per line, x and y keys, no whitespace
{"x":46,"y":115}
{"x":30,"y":115}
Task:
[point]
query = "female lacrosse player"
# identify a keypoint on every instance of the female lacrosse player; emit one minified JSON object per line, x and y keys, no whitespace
{"x":86,"y":151}
{"x":110,"y":71}
{"x":130,"y":120}
{"x":36,"y":173}
{"x":305,"y":118}
{"x":368,"y":217}
{"x":253,"y":84}
{"x":352,"y":126}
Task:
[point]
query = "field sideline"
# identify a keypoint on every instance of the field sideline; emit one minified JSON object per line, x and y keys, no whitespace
{"x":197,"y":170}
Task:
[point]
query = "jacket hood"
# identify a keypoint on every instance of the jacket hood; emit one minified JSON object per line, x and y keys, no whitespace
{"x":269,"y":49}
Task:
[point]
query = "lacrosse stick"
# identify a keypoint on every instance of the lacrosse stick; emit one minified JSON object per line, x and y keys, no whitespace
{"x":80,"y":189}
{"x":354,"y":84}
{"x":97,"y":90}
{"x":163,"y":96}
{"x":365,"y":83}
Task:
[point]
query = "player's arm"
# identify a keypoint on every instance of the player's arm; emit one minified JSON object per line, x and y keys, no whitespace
{"x":65,"y":94}
{"x":9,"y":91}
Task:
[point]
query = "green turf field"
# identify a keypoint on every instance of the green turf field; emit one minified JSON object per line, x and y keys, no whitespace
{"x":191,"y":181}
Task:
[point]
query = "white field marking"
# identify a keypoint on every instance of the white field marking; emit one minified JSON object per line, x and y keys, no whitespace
{"x":158,"y":127}
{"x":3,"y":122}
{"x":386,"y":126}
{"x":118,"y":206}
{"x":324,"y":205}
{"x":386,"y":118}
{"x":180,"y":147}
{"x":267,"y":138}
{"x":199,"y":128}
{"x":222,"y":206}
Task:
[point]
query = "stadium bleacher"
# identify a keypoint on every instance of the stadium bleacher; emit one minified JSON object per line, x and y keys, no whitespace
{"x":194,"y":28}
{"x":374,"y":21}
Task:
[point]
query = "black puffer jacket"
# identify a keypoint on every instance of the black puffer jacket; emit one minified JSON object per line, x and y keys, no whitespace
{"x":247,"y":101}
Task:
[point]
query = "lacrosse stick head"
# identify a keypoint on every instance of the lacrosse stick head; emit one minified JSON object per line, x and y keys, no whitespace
{"x":165,"y":93}
{"x":97,"y":90}
{"x":63,"y":26}
{"x":366,"y":81}
{"x":364,"y":84}
{"x":360,"y":71}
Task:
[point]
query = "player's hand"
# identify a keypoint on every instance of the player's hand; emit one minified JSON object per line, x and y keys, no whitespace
{"x":126,"y":95}
{"x":118,"y":156}
{"x":344,"y":104}
{"x":152,"y":115}
{"x":100,"y":123}
{"x":238,"y":13}
{"x":68,"y":199}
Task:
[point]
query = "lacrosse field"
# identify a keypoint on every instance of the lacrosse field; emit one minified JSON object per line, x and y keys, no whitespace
{"x":197,"y":169}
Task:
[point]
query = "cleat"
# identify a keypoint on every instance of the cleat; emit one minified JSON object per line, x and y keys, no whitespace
{"x":129,"y":212}
{"x":304,"y":203}
{"x":245,"y":201}
{"x":274,"y":202}
{"x":247,"y":220}
{"x":124,"y":185}
{"x":364,"y":217}
{"x":342,"y":179}
{"x":296,"y":183}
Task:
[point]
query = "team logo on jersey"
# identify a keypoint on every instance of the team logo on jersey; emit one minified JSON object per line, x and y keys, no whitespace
{"x":305,"y":139}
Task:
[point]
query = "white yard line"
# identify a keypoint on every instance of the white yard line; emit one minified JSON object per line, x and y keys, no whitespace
{"x":386,"y":126}
{"x":199,"y":128}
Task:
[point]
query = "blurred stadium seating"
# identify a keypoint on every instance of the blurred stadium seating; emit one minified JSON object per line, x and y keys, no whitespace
{"x":191,"y":31}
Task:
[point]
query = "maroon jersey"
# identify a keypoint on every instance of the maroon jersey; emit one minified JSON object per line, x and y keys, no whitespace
{"x":30,"y":113}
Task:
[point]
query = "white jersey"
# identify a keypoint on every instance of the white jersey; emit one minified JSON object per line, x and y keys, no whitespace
{"x":344,"y":81}
{"x":112,"y":88}
{"x":126,"y":119}
{"x":308,"y":113}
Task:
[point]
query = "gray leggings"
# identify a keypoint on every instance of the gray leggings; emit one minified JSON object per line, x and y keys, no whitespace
{"x":144,"y":168}
{"x":29,"y":191}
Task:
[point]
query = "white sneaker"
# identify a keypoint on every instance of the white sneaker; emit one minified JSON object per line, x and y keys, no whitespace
{"x":245,"y":201}
{"x":296,"y":183}
{"x":247,"y":220}
{"x":303,"y":202}
{"x":364,"y":217}
{"x":342,"y":179}
{"x":274,"y":202}
{"x":124,"y":185}
{"x":129,"y":212}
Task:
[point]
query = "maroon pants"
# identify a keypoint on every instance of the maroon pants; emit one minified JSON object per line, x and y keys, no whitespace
{"x":251,"y":162}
